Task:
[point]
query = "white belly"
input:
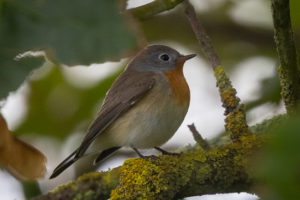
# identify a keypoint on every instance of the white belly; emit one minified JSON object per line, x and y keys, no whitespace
{"x":149,"y":123}
{"x":156,"y":126}
{"x":152,"y":122}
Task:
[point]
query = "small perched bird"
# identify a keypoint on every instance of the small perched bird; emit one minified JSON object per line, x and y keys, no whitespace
{"x":143,"y":108}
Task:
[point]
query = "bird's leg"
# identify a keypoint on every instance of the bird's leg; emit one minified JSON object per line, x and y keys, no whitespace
{"x":137,"y":152}
{"x":164,"y":152}
{"x":141,"y":155}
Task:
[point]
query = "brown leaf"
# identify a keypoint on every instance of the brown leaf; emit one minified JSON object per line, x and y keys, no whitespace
{"x":19,"y":158}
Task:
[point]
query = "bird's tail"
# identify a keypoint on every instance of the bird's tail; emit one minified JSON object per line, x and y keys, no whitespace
{"x":64,"y":164}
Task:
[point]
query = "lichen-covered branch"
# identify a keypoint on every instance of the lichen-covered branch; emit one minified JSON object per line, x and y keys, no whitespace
{"x":95,"y":185}
{"x":221,"y":170}
{"x":236,"y":122}
{"x":289,"y":69}
{"x":153,"y":8}
{"x":235,"y":119}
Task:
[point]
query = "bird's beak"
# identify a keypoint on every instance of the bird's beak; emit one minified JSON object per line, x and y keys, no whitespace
{"x":187,"y":57}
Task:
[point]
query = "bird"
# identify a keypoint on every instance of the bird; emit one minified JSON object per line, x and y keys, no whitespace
{"x":143,"y":108}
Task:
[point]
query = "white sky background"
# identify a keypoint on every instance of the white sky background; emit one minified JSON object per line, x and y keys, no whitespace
{"x":205,"y":108}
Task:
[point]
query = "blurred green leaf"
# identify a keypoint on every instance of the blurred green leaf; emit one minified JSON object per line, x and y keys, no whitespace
{"x":279,"y":166}
{"x":31,"y":189}
{"x":56,"y":108}
{"x":72,"y":32}
{"x":295,"y":14}
{"x":13,"y":72}
{"x":77,"y":32}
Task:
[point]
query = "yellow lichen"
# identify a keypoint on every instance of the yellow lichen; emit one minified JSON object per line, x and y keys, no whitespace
{"x":229,"y":98}
{"x":162,"y":178}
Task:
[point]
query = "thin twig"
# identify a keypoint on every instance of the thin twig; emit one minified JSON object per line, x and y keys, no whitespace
{"x":284,"y":39}
{"x":198,"y":138}
{"x":148,"y":10}
{"x":201,"y":35}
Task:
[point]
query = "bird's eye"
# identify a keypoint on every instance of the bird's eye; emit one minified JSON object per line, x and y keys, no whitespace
{"x":164,"y":57}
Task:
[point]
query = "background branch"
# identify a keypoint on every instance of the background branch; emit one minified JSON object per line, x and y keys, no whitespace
{"x":148,"y":10}
{"x":289,"y":69}
{"x":201,"y":36}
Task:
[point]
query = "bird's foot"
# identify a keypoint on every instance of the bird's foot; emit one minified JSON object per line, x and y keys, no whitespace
{"x":164,"y":152}
{"x":150,"y":157}
{"x":142,"y":156}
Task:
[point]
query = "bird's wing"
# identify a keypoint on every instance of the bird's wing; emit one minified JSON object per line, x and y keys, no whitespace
{"x":126,"y":91}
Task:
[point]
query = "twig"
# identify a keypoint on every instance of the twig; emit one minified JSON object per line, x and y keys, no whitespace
{"x":235,"y":120}
{"x":284,"y":39}
{"x":153,"y":8}
{"x":201,"y":36}
{"x":198,"y":138}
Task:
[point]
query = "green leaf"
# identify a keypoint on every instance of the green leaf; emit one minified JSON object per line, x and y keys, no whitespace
{"x":279,"y":166}
{"x":56,"y":108}
{"x":71,"y":32}
{"x":295,"y":14}
{"x":76,"y":32}
{"x":13,"y":72}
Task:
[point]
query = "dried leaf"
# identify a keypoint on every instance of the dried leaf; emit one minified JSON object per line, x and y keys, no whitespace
{"x":19,"y":158}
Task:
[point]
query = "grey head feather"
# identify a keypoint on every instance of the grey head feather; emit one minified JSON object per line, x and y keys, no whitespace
{"x":155,"y":58}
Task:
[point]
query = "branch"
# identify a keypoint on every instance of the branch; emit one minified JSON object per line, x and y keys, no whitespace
{"x":153,"y":8}
{"x":236,"y":122}
{"x":95,"y":185}
{"x":198,"y":138}
{"x":222,"y":170}
{"x":284,"y":39}
{"x":201,"y":36}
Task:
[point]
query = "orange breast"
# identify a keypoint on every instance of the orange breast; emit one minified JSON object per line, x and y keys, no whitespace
{"x":178,"y":84}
